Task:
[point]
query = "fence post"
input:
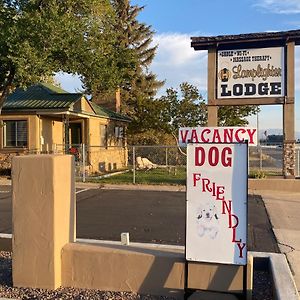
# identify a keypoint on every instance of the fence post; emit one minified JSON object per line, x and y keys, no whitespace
{"x":133,"y":164}
{"x":298,"y":164}
{"x":83,"y":162}
{"x":166,"y":156}
{"x":260,"y":158}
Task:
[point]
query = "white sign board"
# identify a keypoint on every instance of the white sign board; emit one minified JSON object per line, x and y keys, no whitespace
{"x":251,"y":73}
{"x":217,"y":135}
{"x":216,"y":224}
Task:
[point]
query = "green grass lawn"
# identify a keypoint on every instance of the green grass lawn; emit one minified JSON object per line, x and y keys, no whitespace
{"x":172,"y":176}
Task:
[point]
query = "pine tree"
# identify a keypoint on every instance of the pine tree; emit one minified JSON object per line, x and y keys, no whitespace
{"x":142,"y":85}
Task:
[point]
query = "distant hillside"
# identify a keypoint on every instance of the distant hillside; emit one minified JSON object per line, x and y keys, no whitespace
{"x":276,"y":132}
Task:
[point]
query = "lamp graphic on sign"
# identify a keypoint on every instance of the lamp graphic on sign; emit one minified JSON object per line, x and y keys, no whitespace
{"x":224,"y":75}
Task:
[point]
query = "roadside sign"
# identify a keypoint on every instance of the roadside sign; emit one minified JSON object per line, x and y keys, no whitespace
{"x":217,"y":135}
{"x":216,"y":218}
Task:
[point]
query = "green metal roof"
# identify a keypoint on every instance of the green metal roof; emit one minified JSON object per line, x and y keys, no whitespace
{"x":104,"y":112}
{"x":48,"y":97}
{"x":40,"y":96}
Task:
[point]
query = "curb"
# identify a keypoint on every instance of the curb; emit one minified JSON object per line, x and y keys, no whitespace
{"x":283,"y":281}
{"x":131,"y":187}
{"x":276,"y":263}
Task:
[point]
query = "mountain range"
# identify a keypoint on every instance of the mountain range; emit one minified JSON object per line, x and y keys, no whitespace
{"x":275,"y":132}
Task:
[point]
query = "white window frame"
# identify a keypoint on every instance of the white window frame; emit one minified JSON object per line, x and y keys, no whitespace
{"x":16,"y":134}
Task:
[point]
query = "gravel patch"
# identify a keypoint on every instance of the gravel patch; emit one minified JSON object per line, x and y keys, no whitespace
{"x":262,"y":285}
{"x":262,"y":288}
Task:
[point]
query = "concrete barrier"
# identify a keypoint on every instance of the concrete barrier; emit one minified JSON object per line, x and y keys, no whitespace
{"x":274,"y":184}
{"x":43,"y":200}
{"x":83,"y":261}
{"x":283,"y":281}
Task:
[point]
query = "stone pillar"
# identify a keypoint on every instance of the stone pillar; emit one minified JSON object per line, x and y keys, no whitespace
{"x":43,"y":201}
{"x":289,"y":153}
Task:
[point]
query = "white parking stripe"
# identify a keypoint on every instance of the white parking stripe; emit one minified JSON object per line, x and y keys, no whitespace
{"x":82,"y":191}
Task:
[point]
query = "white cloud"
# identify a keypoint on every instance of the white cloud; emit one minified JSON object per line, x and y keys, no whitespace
{"x":176,"y":61}
{"x":279,"y":6}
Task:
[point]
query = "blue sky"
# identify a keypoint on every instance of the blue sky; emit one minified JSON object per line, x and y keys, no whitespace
{"x":175,"y":21}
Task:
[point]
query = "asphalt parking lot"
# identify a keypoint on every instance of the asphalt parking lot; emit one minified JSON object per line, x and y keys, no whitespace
{"x":149,"y":216}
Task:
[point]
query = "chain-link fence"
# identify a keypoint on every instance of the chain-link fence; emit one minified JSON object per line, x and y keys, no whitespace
{"x":130,"y":164}
{"x":153,"y":164}
{"x":265,"y":160}
{"x":162,"y":164}
{"x":157,"y":164}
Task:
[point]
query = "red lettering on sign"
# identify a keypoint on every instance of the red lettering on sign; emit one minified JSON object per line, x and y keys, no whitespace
{"x":226,"y":159}
{"x":220,"y":191}
{"x":236,"y":219}
{"x":234,"y":236}
{"x":199,"y":156}
{"x":217,"y":137}
{"x":205,"y":185}
{"x":226,"y":207}
{"x":228,"y":135}
{"x":237,"y":137}
{"x":196,"y":177}
{"x":194,"y":137}
{"x":205,"y":131}
{"x":251,"y":133}
{"x":241,"y":247}
{"x":184,"y":135}
{"x":213,"y":156}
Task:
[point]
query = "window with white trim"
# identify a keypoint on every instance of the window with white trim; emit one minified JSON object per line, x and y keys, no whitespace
{"x":120,"y":135}
{"x":15,"y":133}
{"x":103,"y":135}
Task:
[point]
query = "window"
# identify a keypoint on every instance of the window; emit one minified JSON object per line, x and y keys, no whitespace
{"x":15,"y":134}
{"x":120,"y":136}
{"x":103,"y":135}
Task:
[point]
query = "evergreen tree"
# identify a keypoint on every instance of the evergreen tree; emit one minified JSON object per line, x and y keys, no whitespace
{"x":141,"y":84}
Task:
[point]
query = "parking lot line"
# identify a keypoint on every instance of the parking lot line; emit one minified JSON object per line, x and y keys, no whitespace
{"x":81,"y":191}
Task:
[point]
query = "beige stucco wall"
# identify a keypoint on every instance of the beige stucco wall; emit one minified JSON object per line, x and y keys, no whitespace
{"x":143,"y":269}
{"x":47,"y":135}
{"x":107,"y":158}
{"x":43,"y":198}
{"x":51,"y":132}
{"x":119,"y":269}
{"x":32,"y":134}
{"x":102,"y":159}
{"x":83,"y":105}
{"x":274,"y":184}
{"x":57,"y":132}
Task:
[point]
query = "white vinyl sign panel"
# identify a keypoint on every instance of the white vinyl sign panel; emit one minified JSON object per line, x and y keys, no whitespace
{"x":217,"y":135}
{"x":251,"y":73}
{"x":216,"y":220}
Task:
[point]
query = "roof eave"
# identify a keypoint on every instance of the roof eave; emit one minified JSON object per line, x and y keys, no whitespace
{"x":204,"y":43}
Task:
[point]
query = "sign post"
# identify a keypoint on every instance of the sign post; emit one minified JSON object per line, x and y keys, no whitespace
{"x":216,"y":207}
{"x":254,"y":69}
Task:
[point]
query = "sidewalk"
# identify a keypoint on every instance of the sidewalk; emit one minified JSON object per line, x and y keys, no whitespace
{"x":284,"y":213}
